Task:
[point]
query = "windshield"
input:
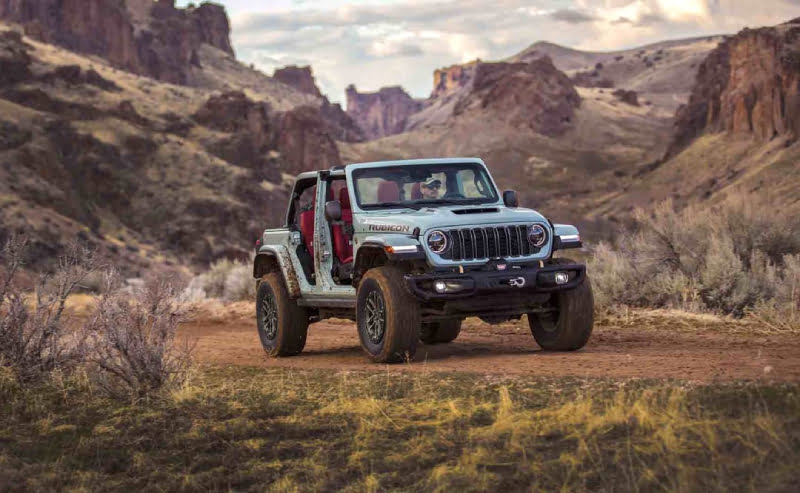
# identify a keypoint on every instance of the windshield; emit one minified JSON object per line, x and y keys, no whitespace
{"x":414,"y":186}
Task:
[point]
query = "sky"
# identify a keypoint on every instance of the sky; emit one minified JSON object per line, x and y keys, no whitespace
{"x":377,"y":43}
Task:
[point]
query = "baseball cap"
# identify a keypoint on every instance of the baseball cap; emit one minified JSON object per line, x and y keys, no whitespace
{"x":432,"y":182}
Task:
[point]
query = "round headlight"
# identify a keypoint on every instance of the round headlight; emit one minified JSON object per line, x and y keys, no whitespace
{"x":437,"y":242}
{"x":537,"y":235}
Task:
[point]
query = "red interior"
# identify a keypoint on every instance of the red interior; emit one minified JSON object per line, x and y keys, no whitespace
{"x":307,"y":223}
{"x":342,"y":243}
{"x":388,"y":191}
{"x":416,"y":191}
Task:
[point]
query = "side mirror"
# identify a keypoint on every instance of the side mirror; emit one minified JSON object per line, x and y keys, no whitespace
{"x":510,"y":198}
{"x":333,"y":210}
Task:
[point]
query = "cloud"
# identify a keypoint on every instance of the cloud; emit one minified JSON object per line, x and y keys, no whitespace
{"x":375,"y":43}
{"x":572,"y":16}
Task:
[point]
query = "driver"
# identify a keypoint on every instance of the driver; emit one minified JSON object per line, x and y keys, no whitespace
{"x":430,"y":188}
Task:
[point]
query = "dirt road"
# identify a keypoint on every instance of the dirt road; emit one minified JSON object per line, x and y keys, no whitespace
{"x":652,"y":346}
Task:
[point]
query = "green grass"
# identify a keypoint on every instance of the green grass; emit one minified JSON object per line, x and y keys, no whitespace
{"x":286,"y":430}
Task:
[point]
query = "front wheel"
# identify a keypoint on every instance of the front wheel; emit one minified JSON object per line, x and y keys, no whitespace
{"x":568,"y":325}
{"x":282,"y":325}
{"x":387,"y":316}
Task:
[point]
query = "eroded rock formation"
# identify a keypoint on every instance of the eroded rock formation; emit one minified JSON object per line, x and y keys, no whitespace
{"x":339,"y":124}
{"x":535,"y":95}
{"x":300,"y":78}
{"x":449,"y":79}
{"x":381,"y":113}
{"x":252,"y":130}
{"x":155,"y":39}
{"x":750,"y":84}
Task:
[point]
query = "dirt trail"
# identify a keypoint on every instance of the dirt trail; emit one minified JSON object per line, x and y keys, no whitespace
{"x":655,"y":348}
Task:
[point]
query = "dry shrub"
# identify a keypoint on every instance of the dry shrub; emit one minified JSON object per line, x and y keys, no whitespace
{"x":129,"y":338}
{"x":133,"y":340}
{"x":37,"y":340}
{"x":225,"y":280}
{"x":739,"y":257}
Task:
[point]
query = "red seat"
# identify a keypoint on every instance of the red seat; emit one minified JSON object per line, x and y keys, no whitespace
{"x":342,"y":243}
{"x":416,"y":191}
{"x":388,"y":191}
{"x":347,"y":211}
{"x":307,"y":225}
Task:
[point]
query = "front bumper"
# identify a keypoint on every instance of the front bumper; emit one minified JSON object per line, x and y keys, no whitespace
{"x":489,"y":282}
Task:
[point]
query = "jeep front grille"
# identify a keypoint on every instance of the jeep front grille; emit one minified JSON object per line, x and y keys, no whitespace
{"x":489,"y":242}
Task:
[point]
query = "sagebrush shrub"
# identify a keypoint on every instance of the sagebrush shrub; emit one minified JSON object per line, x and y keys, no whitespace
{"x":225,"y":280}
{"x":35,"y":336}
{"x":129,"y":340}
{"x":731,"y":258}
{"x":133,"y":339}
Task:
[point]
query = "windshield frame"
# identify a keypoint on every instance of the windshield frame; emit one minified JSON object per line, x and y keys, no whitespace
{"x":357,"y":172}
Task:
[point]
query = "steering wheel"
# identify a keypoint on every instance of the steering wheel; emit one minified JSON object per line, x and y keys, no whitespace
{"x":453,"y":195}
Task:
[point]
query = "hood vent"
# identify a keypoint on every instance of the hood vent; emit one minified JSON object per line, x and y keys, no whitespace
{"x":482,"y":210}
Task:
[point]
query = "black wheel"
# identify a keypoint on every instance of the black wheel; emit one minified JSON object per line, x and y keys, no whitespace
{"x":568,"y":325}
{"x":282,"y":325}
{"x":387,"y":316}
{"x":440,"y":332}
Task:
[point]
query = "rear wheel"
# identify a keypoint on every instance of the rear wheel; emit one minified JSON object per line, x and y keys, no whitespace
{"x":568,"y":325}
{"x":282,"y":325}
{"x":387,"y":316}
{"x":440,"y":332}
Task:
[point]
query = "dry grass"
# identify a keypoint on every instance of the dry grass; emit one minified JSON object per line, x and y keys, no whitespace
{"x":284,"y":430}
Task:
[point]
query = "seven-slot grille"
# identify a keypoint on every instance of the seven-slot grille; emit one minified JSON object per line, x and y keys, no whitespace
{"x":489,"y":242}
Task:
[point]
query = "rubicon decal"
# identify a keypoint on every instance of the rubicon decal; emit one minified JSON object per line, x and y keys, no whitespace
{"x":398,"y":228}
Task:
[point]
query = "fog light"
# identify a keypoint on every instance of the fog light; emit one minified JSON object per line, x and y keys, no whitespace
{"x":449,"y":286}
{"x":562,"y":278}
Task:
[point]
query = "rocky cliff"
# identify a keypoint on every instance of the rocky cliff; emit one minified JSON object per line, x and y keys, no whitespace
{"x":254,"y":135}
{"x":381,"y":113}
{"x":149,"y":38}
{"x":449,"y":79}
{"x":339,"y":124}
{"x":750,"y":84}
{"x":301,"y":78}
{"x":534,"y":96}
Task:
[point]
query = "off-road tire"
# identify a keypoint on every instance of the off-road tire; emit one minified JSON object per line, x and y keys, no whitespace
{"x":401,"y":321}
{"x":440,"y":332}
{"x":287,"y":335}
{"x":569,"y":327}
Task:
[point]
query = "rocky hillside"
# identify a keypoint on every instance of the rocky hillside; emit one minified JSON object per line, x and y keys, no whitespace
{"x":141,"y":36}
{"x":152,"y":173}
{"x":738,"y":134}
{"x":660,"y":74}
{"x":558,"y":144}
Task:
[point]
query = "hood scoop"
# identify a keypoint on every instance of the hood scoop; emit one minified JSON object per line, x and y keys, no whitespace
{"x":481,"y":210}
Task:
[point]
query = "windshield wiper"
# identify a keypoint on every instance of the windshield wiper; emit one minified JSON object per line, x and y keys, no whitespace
{"x":390,"y":205}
